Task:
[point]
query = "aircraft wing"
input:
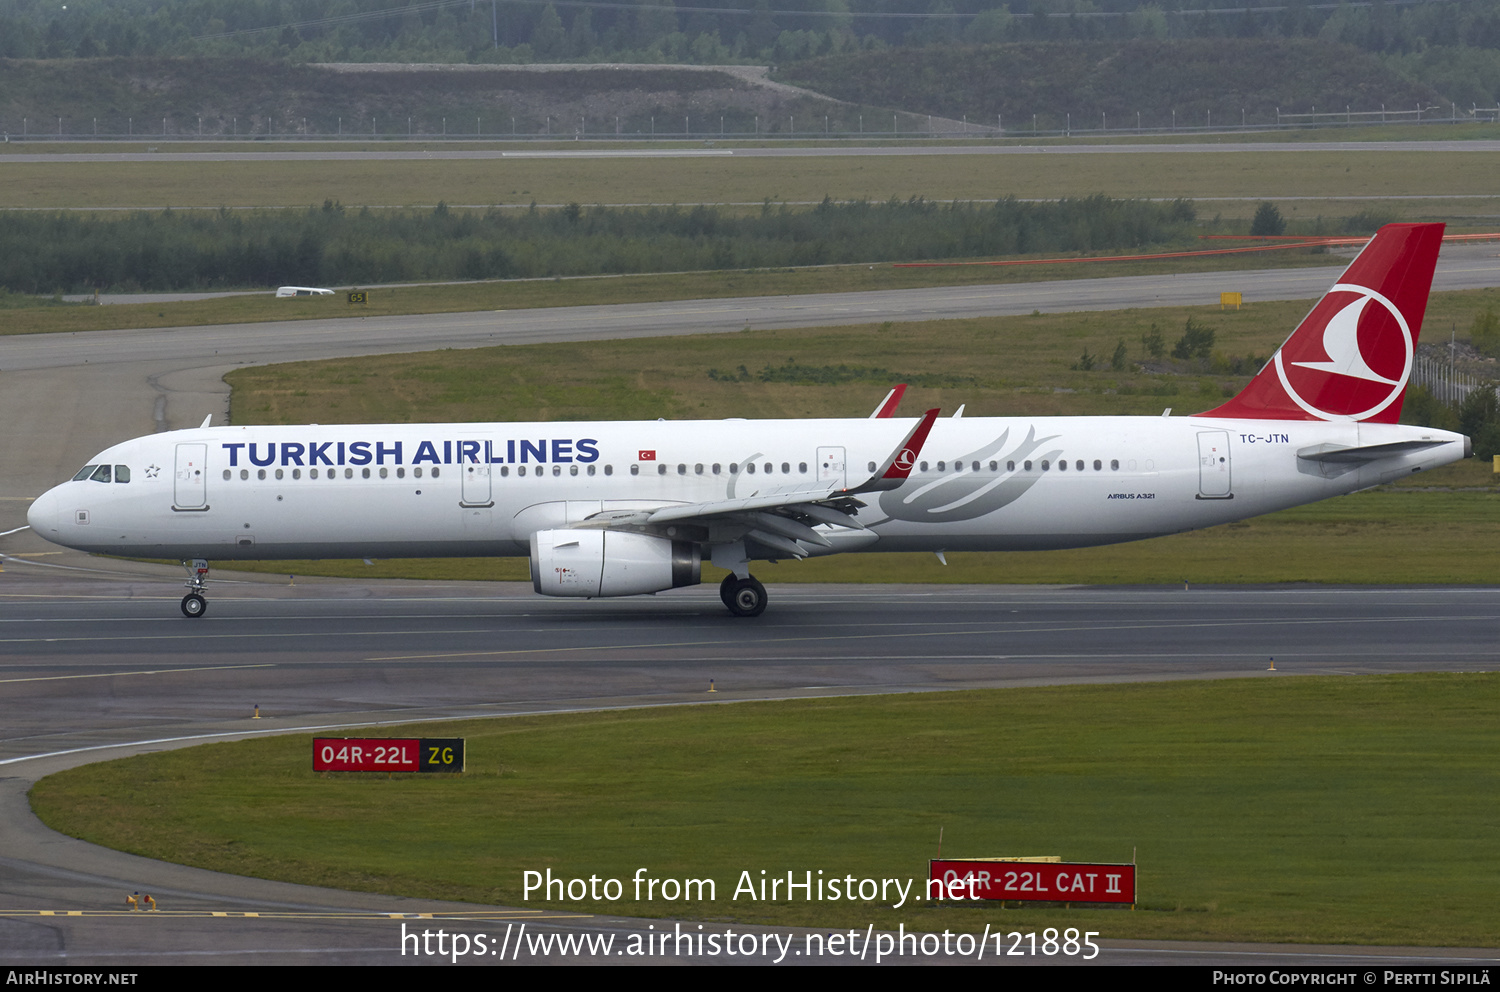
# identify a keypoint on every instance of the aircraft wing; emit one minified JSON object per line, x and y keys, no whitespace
{"x":779,"y":519}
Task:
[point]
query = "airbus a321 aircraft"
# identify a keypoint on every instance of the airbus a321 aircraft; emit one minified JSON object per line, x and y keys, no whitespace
{"x":617,"y":509}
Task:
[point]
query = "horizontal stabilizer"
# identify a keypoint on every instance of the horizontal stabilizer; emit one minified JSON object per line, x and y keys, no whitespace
{"x":1364,"y":453}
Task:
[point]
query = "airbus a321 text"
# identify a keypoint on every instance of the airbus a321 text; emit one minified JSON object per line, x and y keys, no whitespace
{"x":618,"y":509}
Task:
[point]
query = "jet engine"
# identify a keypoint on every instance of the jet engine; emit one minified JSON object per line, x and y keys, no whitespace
{"x":593,"y":563}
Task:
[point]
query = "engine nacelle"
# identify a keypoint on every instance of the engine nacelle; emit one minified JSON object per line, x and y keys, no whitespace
{"x":593,"y":563}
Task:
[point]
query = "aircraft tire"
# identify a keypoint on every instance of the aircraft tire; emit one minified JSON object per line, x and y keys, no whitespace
{"x":726,"y":590}
{"x":194,"y":605}
{"x":747,"y":598}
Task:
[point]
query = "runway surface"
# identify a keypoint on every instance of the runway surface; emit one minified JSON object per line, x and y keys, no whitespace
{"x":98,"y":665}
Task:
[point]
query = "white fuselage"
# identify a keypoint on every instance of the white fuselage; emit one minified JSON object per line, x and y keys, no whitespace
{"x":982,"y":484}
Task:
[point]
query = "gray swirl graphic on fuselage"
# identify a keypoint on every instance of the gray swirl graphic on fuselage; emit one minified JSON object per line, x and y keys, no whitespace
{"x":734,"y":477}
{"x":969,"y":494}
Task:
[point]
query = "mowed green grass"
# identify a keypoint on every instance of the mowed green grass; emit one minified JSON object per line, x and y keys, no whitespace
{"x":1280,"y":808}
{"x":1440,"y":527}
{"x":1046,"y":172}
{"x":515,"y":294}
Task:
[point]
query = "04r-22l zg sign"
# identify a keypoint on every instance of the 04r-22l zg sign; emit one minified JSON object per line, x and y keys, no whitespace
{"x":388,"y":754}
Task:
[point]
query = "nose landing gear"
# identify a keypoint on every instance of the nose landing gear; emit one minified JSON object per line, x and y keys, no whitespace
{"x":194,"y":605}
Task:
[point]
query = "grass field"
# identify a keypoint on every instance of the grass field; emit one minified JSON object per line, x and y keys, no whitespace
{"x":1047,"y":172}
{"x":50,"y":316}
{"x":1352,"y":809}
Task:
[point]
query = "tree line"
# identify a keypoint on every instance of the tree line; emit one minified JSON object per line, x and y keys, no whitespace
{"x":708,"y":31}
{"x":44,"y":253}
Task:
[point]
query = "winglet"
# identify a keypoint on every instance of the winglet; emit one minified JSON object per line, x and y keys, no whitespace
{"x":895,"y":469}
{"x":887,"y":407}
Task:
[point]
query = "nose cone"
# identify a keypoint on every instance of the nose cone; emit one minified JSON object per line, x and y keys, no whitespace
{"x":42,"y":515}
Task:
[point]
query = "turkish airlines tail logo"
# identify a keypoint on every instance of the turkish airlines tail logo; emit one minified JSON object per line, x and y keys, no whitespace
{"x":1351,"y":357}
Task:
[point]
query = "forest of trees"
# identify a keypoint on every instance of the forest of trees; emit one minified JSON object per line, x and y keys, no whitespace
{"x":175,"y":250}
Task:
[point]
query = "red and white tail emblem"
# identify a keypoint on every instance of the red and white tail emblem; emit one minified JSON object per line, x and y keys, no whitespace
{"x":1351,"y":357}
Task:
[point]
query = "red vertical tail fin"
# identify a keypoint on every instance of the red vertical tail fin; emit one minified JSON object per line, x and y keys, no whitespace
{"x":1351,"y":357}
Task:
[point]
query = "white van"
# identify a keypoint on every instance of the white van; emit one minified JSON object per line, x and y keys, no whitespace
{"x":303,"y":291}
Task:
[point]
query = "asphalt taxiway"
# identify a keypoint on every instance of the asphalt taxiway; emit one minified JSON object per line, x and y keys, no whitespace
{"x":100,"y":664}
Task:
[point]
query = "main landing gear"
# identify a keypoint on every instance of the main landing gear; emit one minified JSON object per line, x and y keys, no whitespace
{"x":193,"y":604}
{"x":744,"y":597}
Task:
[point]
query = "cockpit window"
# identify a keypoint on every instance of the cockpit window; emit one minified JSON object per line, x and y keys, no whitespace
{"x":84,"y":473}
{"x":122,"y":473}
{"x":101,"y":474}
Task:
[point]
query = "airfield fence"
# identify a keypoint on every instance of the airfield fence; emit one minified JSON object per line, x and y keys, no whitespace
{"x":558,"y":127}
{"x":1446,"y":383}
